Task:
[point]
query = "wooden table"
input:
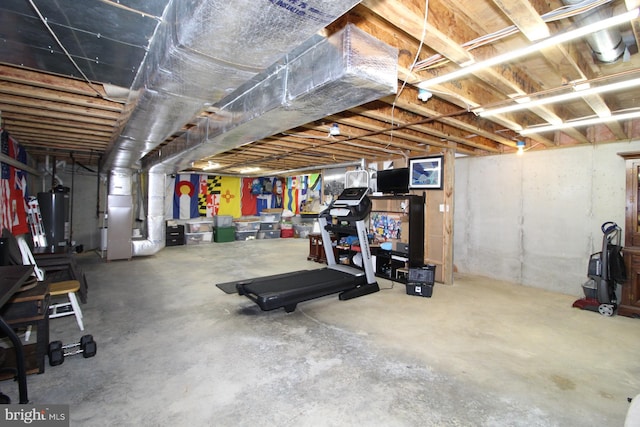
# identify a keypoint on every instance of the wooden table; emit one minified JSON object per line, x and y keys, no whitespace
{"x":11,"y":278}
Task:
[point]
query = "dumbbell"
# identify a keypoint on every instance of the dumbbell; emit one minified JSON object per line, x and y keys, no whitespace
{"x":58,"y":351}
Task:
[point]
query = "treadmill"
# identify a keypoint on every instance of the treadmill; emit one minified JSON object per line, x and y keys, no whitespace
{"x":346,"y":215}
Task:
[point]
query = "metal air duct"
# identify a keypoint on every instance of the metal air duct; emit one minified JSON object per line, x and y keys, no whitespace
{"x":202,"y":51}
{"x":607,"y":45}
{"x":322,"y":77}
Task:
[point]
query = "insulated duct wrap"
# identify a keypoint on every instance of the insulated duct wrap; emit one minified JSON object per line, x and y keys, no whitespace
{"x":321,"y":77}
{"x":202,"y":51}
{"x":155,"y":216}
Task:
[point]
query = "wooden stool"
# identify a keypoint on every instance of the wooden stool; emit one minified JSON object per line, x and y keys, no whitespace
{"x":68,"y":287}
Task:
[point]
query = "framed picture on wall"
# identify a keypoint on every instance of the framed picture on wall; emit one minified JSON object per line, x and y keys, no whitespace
{"x":426,"y":173}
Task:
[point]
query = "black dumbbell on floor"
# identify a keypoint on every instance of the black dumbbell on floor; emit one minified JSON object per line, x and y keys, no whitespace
{"x":58,"y":351}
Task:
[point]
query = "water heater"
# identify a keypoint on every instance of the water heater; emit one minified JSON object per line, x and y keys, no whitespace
{"x":54,"y":209}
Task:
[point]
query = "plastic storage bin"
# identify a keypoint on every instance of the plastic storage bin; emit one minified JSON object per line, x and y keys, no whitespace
{"x":224,"y":234}
{"x":199,"y":227}
{"x":420,"y":289}
{"x":246,"y":235}
{"x":286,"y":232}
{"x":269,"y":226}
{"x":223,"y":221}
{"x":193,"y":238}
{"x":420,"y":280}
{"x":270,"y":216}
{"x":268,"y":234}
{"x":424,"y":274}
{"x":246,"y":225}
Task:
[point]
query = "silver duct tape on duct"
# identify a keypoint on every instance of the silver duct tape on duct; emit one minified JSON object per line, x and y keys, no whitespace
{"x":202,"y":51}
{"x":322,"y":77}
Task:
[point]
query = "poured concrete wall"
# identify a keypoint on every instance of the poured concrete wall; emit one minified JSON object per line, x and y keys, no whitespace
{"x":535,"y":219}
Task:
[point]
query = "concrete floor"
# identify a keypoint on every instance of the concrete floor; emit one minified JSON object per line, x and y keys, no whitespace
{"x":174,"y":350}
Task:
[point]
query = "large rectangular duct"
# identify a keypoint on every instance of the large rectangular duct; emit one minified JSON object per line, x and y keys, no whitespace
{"x":202,"y":51}
{"x":322,"y":77}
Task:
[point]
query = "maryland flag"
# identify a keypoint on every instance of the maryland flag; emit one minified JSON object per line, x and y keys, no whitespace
{"x":209,"y":195}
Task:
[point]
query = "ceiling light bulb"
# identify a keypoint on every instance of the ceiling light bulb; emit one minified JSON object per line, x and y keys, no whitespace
{"x":424,"y":95}
{"x":210,"y":165}
{"x":334,"y":130}
{"x":250,"y":170}
{"x":520,"y":145}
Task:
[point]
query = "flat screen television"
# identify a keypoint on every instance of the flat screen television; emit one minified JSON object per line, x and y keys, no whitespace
{"x":393,"y":181}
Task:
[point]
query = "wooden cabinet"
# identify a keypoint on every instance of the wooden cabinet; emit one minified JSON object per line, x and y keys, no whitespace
{"x":629,"y":304}
{"x":316,"y":248}
{"x":630,"y":298}
{"x":400,"y":221}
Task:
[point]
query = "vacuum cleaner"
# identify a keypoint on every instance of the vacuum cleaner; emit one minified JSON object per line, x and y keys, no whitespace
{"x":606,"y":269}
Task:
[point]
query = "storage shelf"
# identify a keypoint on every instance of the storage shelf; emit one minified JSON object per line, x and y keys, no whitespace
{"x":389,"y":262}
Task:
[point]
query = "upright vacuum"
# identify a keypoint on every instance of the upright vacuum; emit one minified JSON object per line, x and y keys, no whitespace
{"x":606,"y":269}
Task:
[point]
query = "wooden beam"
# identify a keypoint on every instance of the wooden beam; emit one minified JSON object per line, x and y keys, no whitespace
{"x":39,"y":94}
{"x":525,"y":17}
{"x":407,"y":20}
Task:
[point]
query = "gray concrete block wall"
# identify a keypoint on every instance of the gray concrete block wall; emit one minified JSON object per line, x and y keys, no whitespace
{"x":535,"y":219}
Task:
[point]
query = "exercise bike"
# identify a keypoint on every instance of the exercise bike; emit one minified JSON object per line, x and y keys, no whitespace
{"x":606,"y":269}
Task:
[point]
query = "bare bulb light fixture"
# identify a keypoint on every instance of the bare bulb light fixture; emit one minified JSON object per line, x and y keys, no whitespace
{"x":424,"y":95}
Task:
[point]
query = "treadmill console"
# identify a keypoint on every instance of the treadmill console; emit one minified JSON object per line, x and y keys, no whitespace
{"x":351,"y":204}
{"x":351,"y":196}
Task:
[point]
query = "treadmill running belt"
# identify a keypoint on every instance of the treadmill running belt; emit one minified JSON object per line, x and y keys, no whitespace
{"x":278,"y":291}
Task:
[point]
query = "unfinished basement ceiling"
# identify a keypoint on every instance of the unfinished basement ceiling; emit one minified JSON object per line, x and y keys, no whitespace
{"x":66,"y":74}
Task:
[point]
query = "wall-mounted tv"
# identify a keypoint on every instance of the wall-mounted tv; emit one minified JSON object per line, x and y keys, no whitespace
{"x":393,"y":181}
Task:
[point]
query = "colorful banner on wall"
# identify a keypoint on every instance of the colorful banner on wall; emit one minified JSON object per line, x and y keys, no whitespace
{"x":230,"y":198}
{"x":291,"y":195}
{"x":249,"y":196}
{"x":13,"y":188}
{"x":208,"y":195}
{"x":185,"y":198}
